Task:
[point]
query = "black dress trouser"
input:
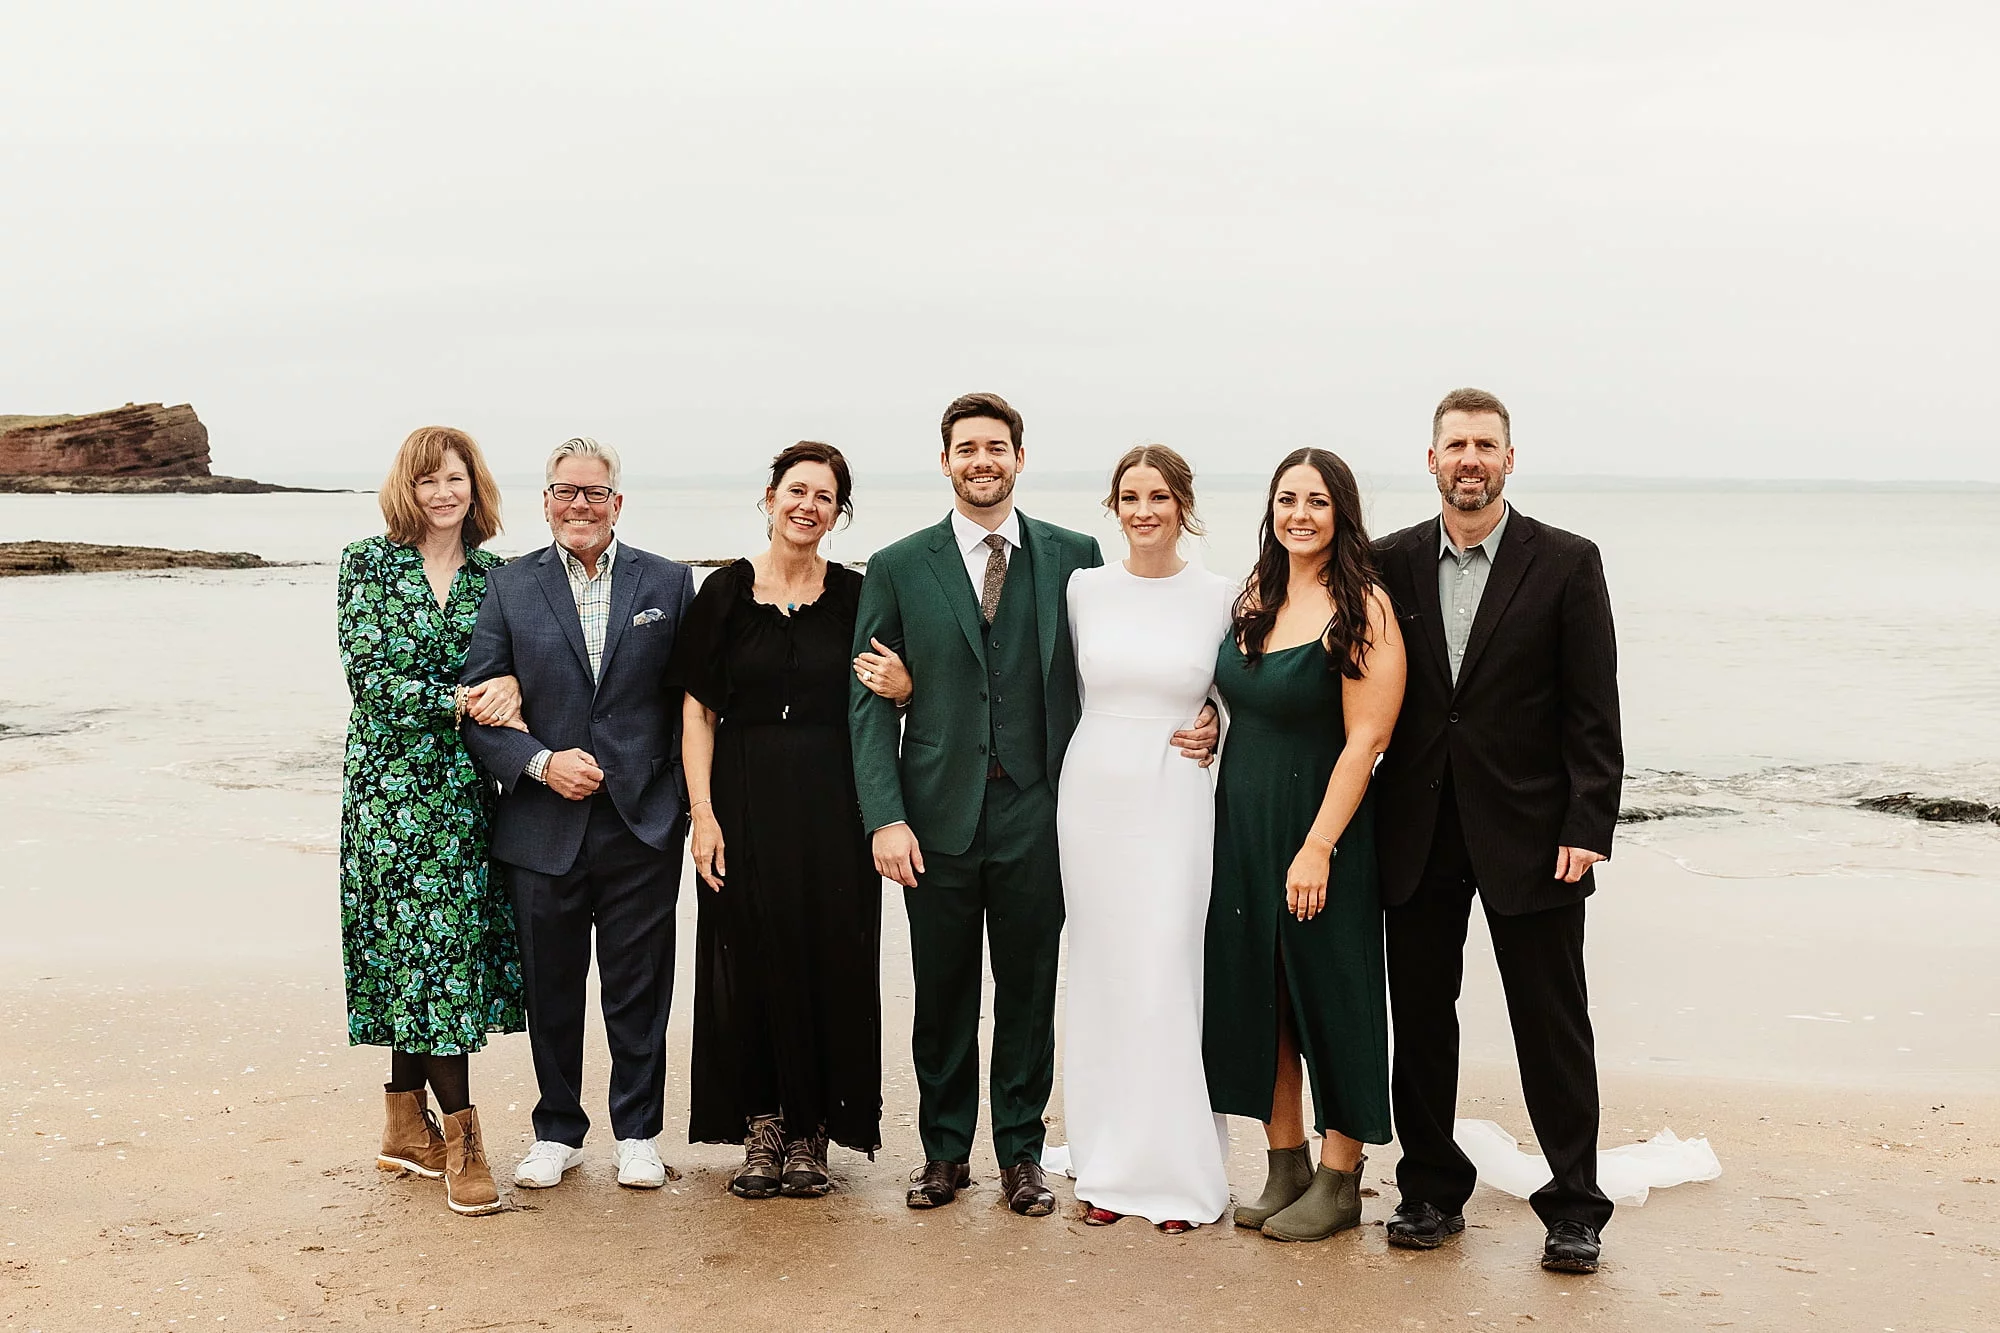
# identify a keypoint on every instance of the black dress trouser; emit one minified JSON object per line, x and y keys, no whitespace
{"x":1540,"y":955}
{"x":626,"y":891}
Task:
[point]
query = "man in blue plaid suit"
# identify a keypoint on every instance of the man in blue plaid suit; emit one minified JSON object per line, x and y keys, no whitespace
{"x":592,"y":808}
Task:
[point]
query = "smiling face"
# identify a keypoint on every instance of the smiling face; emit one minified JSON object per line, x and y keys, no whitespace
{"x":445,"y":496}
{"x":982,"y":462}
{"x":580,"y":527}
{"x":1147,"y":509}
{"x":1302,"y":511}
{"x":804,"y":504}
{"x":1471,"y":459}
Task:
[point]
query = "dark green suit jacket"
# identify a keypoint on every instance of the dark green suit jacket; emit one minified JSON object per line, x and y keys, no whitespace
{"x":918,"y":600}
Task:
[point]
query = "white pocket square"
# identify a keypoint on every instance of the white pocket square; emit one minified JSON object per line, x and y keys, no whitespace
{"x":648,"y":616}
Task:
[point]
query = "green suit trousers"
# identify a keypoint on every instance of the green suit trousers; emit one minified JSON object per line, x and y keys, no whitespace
{"x":1009,"y":882}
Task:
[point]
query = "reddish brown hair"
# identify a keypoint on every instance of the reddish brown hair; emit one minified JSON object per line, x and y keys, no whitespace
{"x":422,"y":454}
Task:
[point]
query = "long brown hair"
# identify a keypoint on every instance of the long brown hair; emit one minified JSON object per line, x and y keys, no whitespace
{"x":1348,"y":572}
{"x":422,"y":454}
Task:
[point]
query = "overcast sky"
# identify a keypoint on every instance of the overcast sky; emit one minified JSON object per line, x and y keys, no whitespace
{"x":1698,"y":239}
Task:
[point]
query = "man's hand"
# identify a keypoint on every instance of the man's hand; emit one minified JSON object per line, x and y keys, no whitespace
{"x":897,"y":855}
{"x":1571,"y":862}
{"x":883,"y":672}
{"x":495,"y":703}
{"x":573,"y":775}
{"x":1198,"y":741}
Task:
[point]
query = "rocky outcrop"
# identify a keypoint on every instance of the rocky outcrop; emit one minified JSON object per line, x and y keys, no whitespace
{"x":148,"y":486}
{"x":136,"y":440}
{"x":17,"y":558}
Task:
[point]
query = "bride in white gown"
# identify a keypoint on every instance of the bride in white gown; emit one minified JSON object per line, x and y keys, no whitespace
{"x":1135,"y":825}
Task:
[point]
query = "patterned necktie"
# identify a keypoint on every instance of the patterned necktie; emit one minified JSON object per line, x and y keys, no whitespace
{"x":996,"y":574}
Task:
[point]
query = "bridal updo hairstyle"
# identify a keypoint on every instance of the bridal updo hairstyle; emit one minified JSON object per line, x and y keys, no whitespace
{"x":1173,"y":469}
{"x":1348,"y":571}
{"x":812,"y":451}
{"x":422,"y":454}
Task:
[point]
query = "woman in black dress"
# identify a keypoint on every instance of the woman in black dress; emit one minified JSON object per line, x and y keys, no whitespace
{"x":787,"y":1005}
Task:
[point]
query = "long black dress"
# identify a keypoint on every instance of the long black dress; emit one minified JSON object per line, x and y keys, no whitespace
{"x":787,"y":1001}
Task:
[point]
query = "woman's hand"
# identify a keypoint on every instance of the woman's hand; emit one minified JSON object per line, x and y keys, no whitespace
{"x":1305,"y":882}
{"x":496,"y":703}
{"x":883,"y":672}
{"x":706,"y":844}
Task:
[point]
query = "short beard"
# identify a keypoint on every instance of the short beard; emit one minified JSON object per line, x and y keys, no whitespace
{"x":964,"y":492}
{"x":1490,"y":493}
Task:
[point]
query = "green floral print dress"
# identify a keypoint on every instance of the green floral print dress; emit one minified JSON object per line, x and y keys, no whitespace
{"x":427,"y":936}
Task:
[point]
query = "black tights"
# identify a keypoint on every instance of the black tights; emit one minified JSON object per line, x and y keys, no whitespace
{"x":450,"y":1078}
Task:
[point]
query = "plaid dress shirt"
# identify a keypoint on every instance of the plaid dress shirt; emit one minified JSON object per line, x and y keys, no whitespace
{"x":593,"y":609}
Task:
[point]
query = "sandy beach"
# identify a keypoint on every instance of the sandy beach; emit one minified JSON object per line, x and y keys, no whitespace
{"x":188,"y":1140}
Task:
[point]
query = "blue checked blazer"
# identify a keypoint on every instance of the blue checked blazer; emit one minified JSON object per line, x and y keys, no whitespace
{"x":629,"y":720}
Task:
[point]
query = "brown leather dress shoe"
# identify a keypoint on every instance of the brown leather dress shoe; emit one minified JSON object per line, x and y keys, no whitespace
{"x":1027,"y":1189}
{"x":938,"y":1184}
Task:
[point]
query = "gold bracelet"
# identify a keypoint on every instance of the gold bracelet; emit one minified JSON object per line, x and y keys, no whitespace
{"x":698,"y":805}
{"x":1323,"y":838}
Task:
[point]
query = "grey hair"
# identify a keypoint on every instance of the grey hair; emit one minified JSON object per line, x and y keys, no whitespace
{"x":582,"y":446}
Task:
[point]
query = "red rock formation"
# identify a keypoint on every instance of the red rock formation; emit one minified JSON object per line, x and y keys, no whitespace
{"x":136,"y":440}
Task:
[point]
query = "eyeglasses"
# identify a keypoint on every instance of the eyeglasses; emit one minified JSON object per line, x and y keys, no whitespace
{"x":564,"y":493}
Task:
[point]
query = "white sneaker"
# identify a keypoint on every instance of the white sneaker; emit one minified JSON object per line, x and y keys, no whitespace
{"x":545,"y":1163}
{"x":639,"y":1165}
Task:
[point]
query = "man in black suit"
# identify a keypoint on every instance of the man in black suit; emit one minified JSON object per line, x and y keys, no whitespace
{"x":592,"y":809}
{"x":1501,"y":780}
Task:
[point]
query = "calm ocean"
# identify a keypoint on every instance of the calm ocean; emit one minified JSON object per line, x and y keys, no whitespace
{"x":1783,"y":652}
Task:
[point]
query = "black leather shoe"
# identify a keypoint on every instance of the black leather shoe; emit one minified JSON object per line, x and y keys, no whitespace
{"x":1572,"y":1247}
{"x":1027,"y":1189}
{"x":1420,"y":1226}
{"x":938,"y":1184}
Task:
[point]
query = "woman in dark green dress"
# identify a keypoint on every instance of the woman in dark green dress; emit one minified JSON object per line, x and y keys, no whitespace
{"x":1312,"y":672}
{"x":426,"y":936}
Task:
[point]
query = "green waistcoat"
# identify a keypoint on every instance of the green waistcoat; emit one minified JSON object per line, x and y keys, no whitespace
{"x":927,"y":766}
{"x":1014,"y":671}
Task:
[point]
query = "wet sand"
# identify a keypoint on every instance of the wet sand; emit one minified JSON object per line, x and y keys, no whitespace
{"x":188,"y":1141}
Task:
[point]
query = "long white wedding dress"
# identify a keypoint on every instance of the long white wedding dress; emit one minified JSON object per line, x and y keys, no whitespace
{"x":1135,"y":826}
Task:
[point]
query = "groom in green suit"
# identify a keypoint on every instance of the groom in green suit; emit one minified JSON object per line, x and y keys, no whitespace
{"x":962,"y":806}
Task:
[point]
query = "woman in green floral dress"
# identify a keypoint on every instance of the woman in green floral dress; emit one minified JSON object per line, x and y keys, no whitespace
{"x":426,"y":935}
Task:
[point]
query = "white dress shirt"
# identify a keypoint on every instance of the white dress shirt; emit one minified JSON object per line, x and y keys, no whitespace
{"x":972,"y":545}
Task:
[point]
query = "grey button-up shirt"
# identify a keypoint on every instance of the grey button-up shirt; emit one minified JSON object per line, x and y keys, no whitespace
{"x":1462,"y":579}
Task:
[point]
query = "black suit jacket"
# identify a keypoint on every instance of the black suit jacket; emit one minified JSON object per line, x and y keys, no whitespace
{"x":1530,"y":731}
{"x":629,"y":720}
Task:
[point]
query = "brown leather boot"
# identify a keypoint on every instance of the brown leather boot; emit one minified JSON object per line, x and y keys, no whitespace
{"x":411,"y":1139}
{"x":468,"y":1182}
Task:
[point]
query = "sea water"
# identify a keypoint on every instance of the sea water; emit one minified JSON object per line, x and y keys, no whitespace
{"x":1783,"y":654}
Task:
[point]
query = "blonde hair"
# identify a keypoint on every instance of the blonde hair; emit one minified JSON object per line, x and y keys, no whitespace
{"x":422,"y":454}
{"x":1173,"y":469}
{"x":582,"y":446}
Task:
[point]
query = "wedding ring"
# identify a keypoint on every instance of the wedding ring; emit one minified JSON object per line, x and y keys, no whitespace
{"x":867,"y":676}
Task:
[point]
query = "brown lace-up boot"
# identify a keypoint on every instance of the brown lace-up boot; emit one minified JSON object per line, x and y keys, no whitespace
{"x":805,"y":1175}
{"x":468,"y":1182}
{"x":763,"y":1147}
{"x":411,"y":1139}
